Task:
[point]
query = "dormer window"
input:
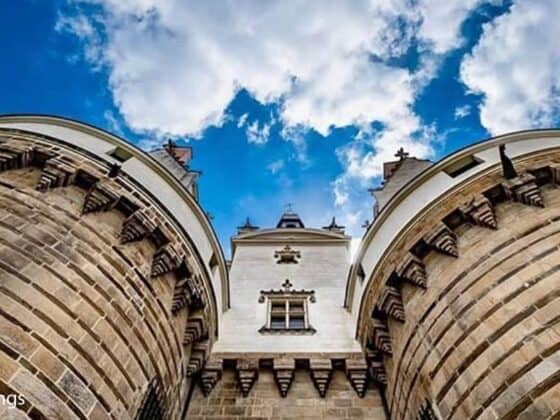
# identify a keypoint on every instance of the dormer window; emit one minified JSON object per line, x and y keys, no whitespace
{"x":287,"y":310}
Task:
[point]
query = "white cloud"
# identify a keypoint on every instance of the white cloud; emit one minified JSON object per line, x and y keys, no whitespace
{"x":242,"y":120}
{"x":515,"y":68}
{"x":462,"y":111}
{"x":275,"y":166}
{"x":258,"y":134}
{"x":175,"y":66}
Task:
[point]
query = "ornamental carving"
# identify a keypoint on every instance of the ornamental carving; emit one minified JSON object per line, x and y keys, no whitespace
{"x":287,"y":255}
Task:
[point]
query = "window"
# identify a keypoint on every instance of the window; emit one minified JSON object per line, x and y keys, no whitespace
{"x":120,"y":154}
{"x":462,"y":166}
{"x":287,"y":310}
{"x":287,"y":314}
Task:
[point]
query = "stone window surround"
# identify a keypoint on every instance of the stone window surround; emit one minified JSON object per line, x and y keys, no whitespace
{"x":289,"y":298}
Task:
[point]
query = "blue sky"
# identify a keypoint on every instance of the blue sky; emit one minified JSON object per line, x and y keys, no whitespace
{"x":286,"y":101}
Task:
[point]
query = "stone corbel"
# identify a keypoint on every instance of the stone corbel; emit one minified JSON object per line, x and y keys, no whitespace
{"x":321,"y":373}
{"x":100,"y":197}
{"x":166,"y":259}
{"x":196,"y":328}
{"x":56,"y":173}
{"x":480,"y":211}
{"x":380,"y":336}
{"x":210,"y":375}
{"x":442,"y":239}
{"x":356,"y":371}
{"x":199,"y":352}
{"x":137,"y":226}
{"x":189,"y":293}
{"x":284,"y":374}
{"x":390,"y":303}
{"x":377,"y":367}
{"x":412,"y":269}
{"x":523,"y":189}
{"x":247,"y":374}
{"x":15,"y":156}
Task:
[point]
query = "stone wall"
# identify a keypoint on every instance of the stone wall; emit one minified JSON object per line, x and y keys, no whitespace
{"x":302,"y":402}
{"x":467,"y":322}
{"x":93,"y":309}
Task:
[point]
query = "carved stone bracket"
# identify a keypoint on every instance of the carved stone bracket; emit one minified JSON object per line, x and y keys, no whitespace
{"x":480,"y":211}
{"x":199,"y":353}
{"x":210,"y":375}
{"x":136,"y":227}
{"x":284,"y":374}
{"x":356,"y":371}
{"x":247,"y":374}
{"x":524,"y":189}
{"x":166,"y":259}
{"x":100,"y":197}
{"x":15,"y":156}
{"x":196,"y":328}
{"x":390,"y":303}
{"x":56,"y":173}
{"x":380,"y":336}
{"x":377,"y":367}
{"x":321,"y":373}
{"x":443,"y":239}
{"x":412,"y":269}
{"x":189,"y":293}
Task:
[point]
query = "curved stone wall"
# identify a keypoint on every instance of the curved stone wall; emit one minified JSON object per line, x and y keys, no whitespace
{"x":103,"y":297}
{"x":460,"y":318}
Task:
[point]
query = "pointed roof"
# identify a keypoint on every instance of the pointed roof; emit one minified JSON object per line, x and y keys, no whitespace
{"x":247,"y":227}
{"x":289,"y":219}
{"x":396,"y":174}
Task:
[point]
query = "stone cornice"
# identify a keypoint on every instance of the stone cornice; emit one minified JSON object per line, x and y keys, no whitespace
{"x":11,"y":122}
{"x":425,"y":177}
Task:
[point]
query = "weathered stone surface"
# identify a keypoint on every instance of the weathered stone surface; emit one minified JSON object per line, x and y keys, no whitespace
{"x":442,"y":239}
{"x":284,"y":374}
{"x":321,"y":372}
{"x":524,"y":190}
{"x":247,"y":374}
{"x":412,"y":269}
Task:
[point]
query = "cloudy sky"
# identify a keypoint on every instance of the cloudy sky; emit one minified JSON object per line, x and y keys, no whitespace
{"x":296,"y":101}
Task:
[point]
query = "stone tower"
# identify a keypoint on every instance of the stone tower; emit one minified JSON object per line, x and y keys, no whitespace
{"x":287,"y":344}
{"x":116,"y":301}
{"x":455,"y":289}
{"x":111,"y":277}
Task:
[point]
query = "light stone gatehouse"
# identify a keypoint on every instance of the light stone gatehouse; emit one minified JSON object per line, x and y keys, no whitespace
{"x":116,"y":301}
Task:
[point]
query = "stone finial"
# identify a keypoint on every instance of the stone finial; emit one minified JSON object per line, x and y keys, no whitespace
{"x":166,"y":259}
{"x":210,"y":375}
{"x":380,"y":336}
{"x":508,"y":169}
{"x":390,"y":303}
{"x":356,"y":371}
{"x":480,"y":211}
{"x":136,"y":227}
{"x":197,"y":358}
{"x":401,"y":154}
{"x":56,"y":173}
{"x":247,"y":375}
{"x":284,"y":374}
{"x":524,"y":189}
{"x":443,"y":239}
{"x":100,"y":197}
{"x":196,"y":328}
{"x":321,"y":373}
{"x":412,"y":269}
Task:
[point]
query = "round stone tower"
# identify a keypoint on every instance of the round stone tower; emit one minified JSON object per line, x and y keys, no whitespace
{"x":112,"y":281}
{"x":456,"y":286}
